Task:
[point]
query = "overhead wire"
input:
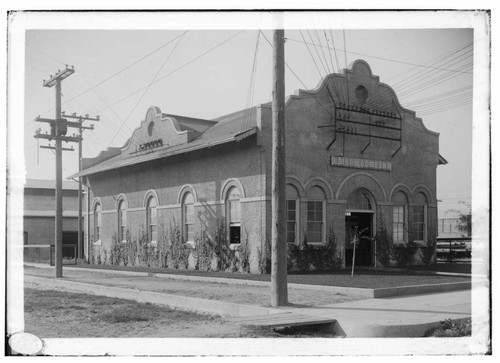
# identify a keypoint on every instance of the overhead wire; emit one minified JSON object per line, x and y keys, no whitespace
{"x":412,"y":77}
{"x":441,"y":62}
{"x":317,"y":52}
{"x":174,"y":71}
{"x":329,"y":50}
{"x":127,"y":67}
{"x":148,"y":87}
{"x":381,"y":58}
{"x":454,"y":62}
{"x":345,"y":57}
{"x":322,"y":51}
{"x":87,"y":106}
{"x":298,"y":78}
{"x":337,"y":93}
{"x":251,"y":88}
{"x":314,"y":60}
{"x":71,"y":89}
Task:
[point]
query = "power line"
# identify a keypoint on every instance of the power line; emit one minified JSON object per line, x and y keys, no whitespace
{"x":314,"y":61}
{"x":432,"y":73}
{"x":175,"y":70}
{"x":127,"y":67}
{"x":386,"y":59}
{"x":251,"y":87}
{"x":147,"y":88}
{"x":296,"y":76}
{"x":47,"y":55}
{"x":345,"y":57}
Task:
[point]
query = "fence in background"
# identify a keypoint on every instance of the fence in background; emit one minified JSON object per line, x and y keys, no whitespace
{"x":46,"y":254}
{"x":453,"y":249}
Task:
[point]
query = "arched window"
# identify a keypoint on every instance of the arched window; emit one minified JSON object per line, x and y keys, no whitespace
{"x":97,"y":222}
{"x":419,"y":218}
{"x":359,"y":200}
{"x":188,"y":217}
{"x":122,"y":221}
{"x":399,"y":217}
{"x":292,"y":213}
{"x":151,"y":218}
{"x":315,"y":215}
{"x":233,"y":215}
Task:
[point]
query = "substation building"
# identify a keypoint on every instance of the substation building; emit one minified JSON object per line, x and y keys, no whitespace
{"x":356,"y":160}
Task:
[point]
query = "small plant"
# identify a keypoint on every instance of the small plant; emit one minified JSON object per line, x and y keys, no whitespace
{"x":449,"y":328}
{"x":244,"y":254}
{"x":404,"y":254}
{"x":428,"y":252}
{"x":176,"y":253}
{"x":264,"y":255}
{"x":334,"y":255}
{"x":305,"y":256}
{"x":204,"y":251}
{"x":383,"y":242}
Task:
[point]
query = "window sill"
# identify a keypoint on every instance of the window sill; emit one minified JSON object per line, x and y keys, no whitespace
{"x":190,"y":244}
{"x":234,"y":246}
{"x":97,"y":243}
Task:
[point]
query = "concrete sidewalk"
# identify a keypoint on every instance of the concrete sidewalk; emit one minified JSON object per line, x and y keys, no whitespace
{"x":408,"y":316}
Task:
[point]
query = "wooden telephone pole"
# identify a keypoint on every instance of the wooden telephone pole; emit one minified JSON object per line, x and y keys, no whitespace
{"x":279,"y":289}
{"x":81,"y":128}
{"x":59,"y":127}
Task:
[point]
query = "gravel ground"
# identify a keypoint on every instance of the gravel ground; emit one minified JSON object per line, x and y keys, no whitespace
{"x":250,"y":295}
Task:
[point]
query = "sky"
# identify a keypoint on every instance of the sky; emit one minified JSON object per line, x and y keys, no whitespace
{"x":187,"y":70}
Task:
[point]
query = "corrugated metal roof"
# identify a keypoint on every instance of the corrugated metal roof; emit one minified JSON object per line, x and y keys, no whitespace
{"x":49,"y":184}
{"x":232,"y":127}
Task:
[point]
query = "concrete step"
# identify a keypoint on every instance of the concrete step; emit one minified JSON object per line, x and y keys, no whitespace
{"x":282,"y":320}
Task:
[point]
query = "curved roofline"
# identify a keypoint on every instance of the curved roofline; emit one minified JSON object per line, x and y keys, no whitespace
{"x":323,"y":83}
{"x":162,"y":117}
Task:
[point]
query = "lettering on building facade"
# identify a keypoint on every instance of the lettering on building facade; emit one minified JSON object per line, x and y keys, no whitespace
{"x":360,"y":163}
{"x":149,"y":145}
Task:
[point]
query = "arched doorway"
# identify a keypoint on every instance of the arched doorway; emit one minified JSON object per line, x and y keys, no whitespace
{"x":359,"y":219}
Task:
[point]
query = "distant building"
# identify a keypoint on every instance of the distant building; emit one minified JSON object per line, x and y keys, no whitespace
{"x":449,"y":228}
{"x":39,"y":212}
{"x":355,"y":159}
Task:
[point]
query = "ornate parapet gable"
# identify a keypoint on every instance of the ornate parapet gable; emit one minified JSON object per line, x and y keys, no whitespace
{"x":157,"y":131}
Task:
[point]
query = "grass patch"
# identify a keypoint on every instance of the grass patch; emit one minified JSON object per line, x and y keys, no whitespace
{"x":364,"y":278}
{"x":451,"y":329}
{"x":124,"y":316}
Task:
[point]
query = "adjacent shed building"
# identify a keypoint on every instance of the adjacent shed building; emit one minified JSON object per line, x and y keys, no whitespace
{"x":356,"y":162}
{"x":39,"y":215}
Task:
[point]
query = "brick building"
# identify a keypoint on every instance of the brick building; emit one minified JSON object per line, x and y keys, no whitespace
{"x":355,"y":160}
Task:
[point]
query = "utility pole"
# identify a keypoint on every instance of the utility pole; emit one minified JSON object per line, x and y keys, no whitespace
{"x":279,"y":289}
{"x":59,"y":127}
{"x":81,"y":128}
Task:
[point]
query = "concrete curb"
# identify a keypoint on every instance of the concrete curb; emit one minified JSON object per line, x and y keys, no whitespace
{"x":420,"y":289}
{"x":174,"y":301}
{"x":359,"y":330}
{"x":349,"y":291}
